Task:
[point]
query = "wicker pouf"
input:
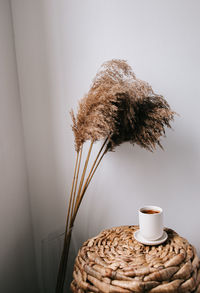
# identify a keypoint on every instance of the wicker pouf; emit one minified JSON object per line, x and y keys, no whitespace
{"x":114,"y":261}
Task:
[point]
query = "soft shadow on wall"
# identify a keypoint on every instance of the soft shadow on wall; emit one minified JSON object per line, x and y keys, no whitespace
{"x":51,"y":248}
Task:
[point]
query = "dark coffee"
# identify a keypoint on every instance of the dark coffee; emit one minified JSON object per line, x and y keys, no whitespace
{"x":150,"y":212}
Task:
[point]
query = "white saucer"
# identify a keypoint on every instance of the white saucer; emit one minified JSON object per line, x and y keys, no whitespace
{"x":142,"y":240}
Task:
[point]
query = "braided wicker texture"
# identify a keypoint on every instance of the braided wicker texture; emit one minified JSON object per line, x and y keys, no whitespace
{"x":114,"y":262}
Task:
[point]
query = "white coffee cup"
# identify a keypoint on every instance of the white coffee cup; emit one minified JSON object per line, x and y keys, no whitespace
{"x":151,"y":222}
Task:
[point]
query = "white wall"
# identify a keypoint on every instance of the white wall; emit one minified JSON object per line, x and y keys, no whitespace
{"x":60,"y":45}
{"x":17,"y":260}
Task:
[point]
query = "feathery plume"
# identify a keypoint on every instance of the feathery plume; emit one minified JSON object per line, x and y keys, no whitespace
{"x":121,"y":107}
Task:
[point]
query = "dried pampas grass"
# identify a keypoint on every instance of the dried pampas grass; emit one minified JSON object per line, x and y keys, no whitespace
{"x":118,"y":108}
{"x":121,"y":107}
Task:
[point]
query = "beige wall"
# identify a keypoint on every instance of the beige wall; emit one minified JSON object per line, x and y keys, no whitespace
{"x":17,"y":260}
{"x":60,"y":45}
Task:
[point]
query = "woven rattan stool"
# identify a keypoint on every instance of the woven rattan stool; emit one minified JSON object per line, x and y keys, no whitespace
{"x":115,"y":262}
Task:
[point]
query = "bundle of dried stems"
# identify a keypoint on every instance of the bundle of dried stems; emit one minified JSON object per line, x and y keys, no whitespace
{"x":118,"y":108}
